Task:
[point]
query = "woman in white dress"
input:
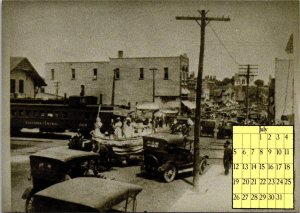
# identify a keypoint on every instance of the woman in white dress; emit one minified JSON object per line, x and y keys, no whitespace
{"x":118,"y":128}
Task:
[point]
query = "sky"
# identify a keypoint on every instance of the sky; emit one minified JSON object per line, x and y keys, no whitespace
{"x":94,"y":31}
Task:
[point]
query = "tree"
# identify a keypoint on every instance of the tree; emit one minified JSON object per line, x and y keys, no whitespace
{"x":225,"y":81}
{"x":259,"y":83}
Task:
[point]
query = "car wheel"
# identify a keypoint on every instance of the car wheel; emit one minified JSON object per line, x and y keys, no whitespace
{"x":169,"y":174}
{"x":28,"y":204}
{"x":203,"y":167}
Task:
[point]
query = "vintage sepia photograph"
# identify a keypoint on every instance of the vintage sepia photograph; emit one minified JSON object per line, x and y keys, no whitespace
{"x":130,"y":105}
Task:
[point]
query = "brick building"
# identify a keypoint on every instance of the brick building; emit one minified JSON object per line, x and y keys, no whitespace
{"x":208,"y":85}
{"x":25,"y":82}
{"x":134,"y":79}
{"x":79,"y":78}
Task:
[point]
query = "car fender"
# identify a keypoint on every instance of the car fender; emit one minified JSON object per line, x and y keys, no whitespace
{"x":165,"y":166}
{"x":205,"y":157}
{"x":27,"y":193}
{"x":152,"y":159}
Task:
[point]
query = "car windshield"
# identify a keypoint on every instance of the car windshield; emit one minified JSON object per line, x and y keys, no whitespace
{"x":45,"y":204}
{"x":46,"y":168}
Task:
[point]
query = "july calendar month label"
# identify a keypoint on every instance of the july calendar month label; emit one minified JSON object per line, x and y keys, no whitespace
{"x":263,"y":167}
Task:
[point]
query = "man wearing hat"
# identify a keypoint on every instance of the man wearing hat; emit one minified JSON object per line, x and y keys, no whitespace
{"x":227,"y":159}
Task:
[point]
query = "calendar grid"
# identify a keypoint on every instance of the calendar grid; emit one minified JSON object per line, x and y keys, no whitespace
{"x":250,"y":167}
{"x":267,"y":172}
{"x":242,"y":164}
{"x":284,"y":173}
{"x":264,"y":167}
{"x":259,"y":173}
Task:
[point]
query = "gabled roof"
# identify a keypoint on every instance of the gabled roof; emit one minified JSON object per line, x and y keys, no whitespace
{"x":14,"y":61}
{"x":23,"y":64}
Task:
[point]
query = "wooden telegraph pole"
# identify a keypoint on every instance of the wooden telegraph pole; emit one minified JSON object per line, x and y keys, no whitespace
{"x":57,"y":84}
{"x":113,"y":88}
{"x":203,"y":22}
{"x":153,"y":81}
{"x":248,"y":74}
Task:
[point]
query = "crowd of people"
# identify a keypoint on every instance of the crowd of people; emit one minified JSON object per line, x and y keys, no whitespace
{"x":127,"y":128}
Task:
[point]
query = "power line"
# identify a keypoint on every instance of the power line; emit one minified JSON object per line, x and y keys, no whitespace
{"x":235,"y":61}
{"x":57,"y":84}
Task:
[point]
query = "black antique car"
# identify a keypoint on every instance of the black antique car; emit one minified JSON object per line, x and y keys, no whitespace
{"x":167,"y":155}
{"x":225,"y":129}
{"x":87,"y":195}
{"x":57,"y":164}
{"x":207,"y":127}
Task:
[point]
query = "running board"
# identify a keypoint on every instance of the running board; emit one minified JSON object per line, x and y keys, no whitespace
{"x":185,"y":170}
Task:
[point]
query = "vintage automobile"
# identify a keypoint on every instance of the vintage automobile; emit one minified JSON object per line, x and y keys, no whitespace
{"x":119,"y":150}
{"x":182,"y":126}
{"x":207,"y":127}
{"x":87,"y":195}
{"x":110,"y":150}
{"x":225,"y":129}
{"x":167,"y":155}
{"x":57,"y":164}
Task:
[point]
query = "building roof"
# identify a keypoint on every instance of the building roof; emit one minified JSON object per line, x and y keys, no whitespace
{"x":150,"y":57}
{"x":23,"y":64}
{"x":77,"y":62}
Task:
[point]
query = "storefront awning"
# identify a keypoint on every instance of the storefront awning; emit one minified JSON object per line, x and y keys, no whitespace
{"x":148,"y":106}
{"x":189,"y":104}
{"x":169,"y":111}
{"x":122,"y":112}
{"x":185,"y":91}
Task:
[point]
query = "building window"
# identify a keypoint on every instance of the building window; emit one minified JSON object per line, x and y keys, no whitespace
{"x":166,"y":73}
{"x":12,"y":85}
{"x":95,"y":72}
{"x":21,"y":86}
{"x":141,"y":73}
{"x":73,"y":74}
{"x":243,"y":81}
{"x":117,"y":73}
{"x":183,"y":76}
{"x":52,"y":74}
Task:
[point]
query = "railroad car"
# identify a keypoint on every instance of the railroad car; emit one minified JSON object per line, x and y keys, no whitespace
{"x":59,"y":115}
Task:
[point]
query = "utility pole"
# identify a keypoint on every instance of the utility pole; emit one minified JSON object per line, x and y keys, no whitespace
{"x":203,"y":22}
{"x":248,"y":74}
{"x":153,"y":74}
{"x":113,"y":88}
{"x":57,"y":84}
{"x":153,"y":95}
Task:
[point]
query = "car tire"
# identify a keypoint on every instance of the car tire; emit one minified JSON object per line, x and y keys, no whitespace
{"x":28,"y":204}
{"x":169,"y":174}
{"x":203,"y":167}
